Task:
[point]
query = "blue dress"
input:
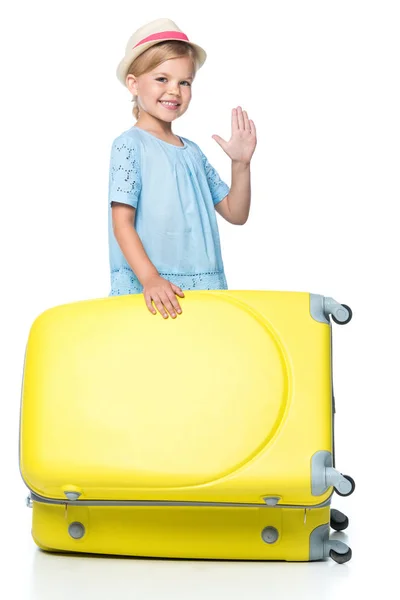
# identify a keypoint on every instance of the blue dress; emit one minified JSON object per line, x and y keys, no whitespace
{"x":174,"y":190}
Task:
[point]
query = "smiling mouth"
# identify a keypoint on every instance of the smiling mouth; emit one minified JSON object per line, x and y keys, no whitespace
{"x":169,"y":104}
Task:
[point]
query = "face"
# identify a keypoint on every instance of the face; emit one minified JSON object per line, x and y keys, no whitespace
{"x":168,"y":83}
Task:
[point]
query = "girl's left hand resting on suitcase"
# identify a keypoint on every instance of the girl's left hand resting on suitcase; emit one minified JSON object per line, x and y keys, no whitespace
{"x":242,"y":144}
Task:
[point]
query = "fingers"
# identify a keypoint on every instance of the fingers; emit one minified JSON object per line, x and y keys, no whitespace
{"x":153,"y":297}
{"x":164,"y":299}
{"x":240,"y":120}
{"x":158,"y":302}
{"x":246,"y":121}
{"x":240,"y":117}
{"x":235,"y":124}
{"x":220,"y":141}
{"x":171,"y":303}
{"x":147,"y":299}
{"x":177,"y":290}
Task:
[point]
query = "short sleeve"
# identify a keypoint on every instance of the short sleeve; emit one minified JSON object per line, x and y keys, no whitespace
{"x":125,"y":180}
{"x":218,"y":188}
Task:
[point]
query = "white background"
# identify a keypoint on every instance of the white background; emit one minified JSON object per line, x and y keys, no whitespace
{"x":321,"y":81}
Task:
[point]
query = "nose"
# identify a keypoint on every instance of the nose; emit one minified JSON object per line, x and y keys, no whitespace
{"x":174,"y":90}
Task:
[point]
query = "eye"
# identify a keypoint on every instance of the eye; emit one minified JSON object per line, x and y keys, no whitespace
{"x":162,"y":78}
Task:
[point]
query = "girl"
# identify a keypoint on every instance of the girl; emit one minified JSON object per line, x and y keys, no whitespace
{"x":163,"y":192}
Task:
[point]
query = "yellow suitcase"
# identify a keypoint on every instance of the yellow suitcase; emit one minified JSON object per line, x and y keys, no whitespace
{"x":205,"y":436}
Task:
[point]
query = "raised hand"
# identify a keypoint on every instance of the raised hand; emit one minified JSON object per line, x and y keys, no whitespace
{"x":242,"y":144}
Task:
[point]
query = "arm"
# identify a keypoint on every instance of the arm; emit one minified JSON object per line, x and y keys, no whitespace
{"x":155,"y":288}
{"x":235,"y":207}
{"x":123,"y":218}
{"x":124,"y":192}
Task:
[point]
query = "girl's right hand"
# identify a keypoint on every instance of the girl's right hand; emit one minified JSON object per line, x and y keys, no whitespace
{"x":162,"y":293}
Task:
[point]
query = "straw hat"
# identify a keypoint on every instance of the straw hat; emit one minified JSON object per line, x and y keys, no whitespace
{"x":150,"y":34}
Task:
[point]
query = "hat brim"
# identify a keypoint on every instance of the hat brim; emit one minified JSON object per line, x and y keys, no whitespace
{"x":125,"y":63}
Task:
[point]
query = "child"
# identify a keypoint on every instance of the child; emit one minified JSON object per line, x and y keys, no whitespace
{"x":163,"y":193}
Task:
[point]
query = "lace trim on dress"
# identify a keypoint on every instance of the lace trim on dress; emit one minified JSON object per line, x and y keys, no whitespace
{"x":124,"y":281}
{"x":125,"y":168}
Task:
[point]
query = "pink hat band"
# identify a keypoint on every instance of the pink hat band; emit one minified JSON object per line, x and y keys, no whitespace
{"x":176,"y":35}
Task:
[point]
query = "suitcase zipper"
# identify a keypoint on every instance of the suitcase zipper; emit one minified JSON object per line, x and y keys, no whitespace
{"x":36,"y":498}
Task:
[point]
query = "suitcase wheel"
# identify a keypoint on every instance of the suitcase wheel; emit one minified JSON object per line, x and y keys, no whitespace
{"x":339,"y":521}
{"x":353,"y":486}
{"x":340,"y":558}
{"x":348,"y":318}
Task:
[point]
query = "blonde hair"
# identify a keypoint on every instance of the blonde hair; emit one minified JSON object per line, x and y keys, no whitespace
{"x":154,"y":56}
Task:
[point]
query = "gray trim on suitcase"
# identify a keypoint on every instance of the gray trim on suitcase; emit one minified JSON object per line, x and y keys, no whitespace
{"x":72,"y":495}
{"x":317,"y":308}
{"x":271,"y":500}
{"x":321,"y":545}
{"x":323,"y":475}
{"x":322,"y":306}
{"x":270,"y":535}
{"x":76,"y":530}
{"x":36,"y":498}
{"x":321,"y":505}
